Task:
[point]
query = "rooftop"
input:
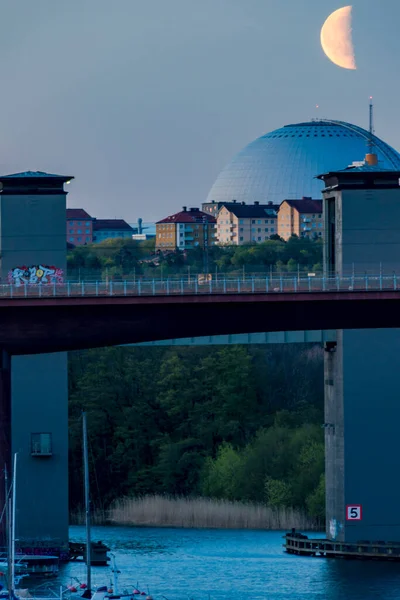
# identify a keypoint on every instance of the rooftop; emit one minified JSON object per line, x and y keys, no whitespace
{"x":251,"y":211}
{"x":193,"y":215}
{"x":306,"y":205}
{"x":35,"y":175}
{"x":77,"y":213}
{"x":111,"y":225}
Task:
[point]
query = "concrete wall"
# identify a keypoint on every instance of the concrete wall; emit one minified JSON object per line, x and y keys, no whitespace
{"x":32,"y":232}
{"x":362,"y":455}
{"x":368,"y":231}
{"x":334,"y":440}
{"x":39,"y":387}
{"x":371,"y":421}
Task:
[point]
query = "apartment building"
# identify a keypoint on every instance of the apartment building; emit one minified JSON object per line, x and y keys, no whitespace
{"x":302,"y":218}
{"x":186,"y":229}
{"x":105,"y":229}
{"x":240,"y":223}
{"x":79,"y":227}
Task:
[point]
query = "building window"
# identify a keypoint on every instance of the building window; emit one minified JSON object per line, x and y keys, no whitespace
{"x":253,"y":222}
{"x":320,"y":225}
{"x":266,"y":229}
{"x":87,"y":231}
{"x":272,"y":221}
{"x":253,"y":229}
{"x":259,"y":239}
{"x":241,"y":221}
{"x":88,"y":239}
{"x":71,"y":239}
{"x":79,"y":239}
{"x":272,"y":229}
{"x":266,"y":221}
{"x":41,"y":444}
{"x":259,"y":230}
{"x":259,"y":222}
{"x":79,"y":223}
{"x":87,"y":223}
{"x":71,"y":231}
{"x":241,"y":229}
{"x":241,"y":239}
{"x":79,"y":231}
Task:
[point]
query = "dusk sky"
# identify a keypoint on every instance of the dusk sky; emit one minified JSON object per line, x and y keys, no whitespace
{"x":145,"y":101}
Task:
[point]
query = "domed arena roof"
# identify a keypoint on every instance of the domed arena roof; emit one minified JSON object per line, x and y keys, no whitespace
{"x":283,"y":164}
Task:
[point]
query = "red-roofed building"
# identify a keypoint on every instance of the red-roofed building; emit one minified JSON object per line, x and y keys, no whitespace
{"x":186,"y":229}
{"x":302,"y":218}
{"x":79,"y":227}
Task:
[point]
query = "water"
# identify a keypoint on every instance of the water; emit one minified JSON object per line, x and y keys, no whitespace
{"x":181,"y":564}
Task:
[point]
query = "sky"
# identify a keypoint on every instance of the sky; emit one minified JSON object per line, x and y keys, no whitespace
{"x":145,"y":101}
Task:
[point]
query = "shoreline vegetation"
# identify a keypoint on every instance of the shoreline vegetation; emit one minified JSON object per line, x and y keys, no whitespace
{"x":196,"y":513}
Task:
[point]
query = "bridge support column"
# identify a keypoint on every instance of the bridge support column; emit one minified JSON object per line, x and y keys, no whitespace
{"x":362,"y":414}
{"x":5,"y":431}
{"x":33,"y":253}
{"x":362,"y":403}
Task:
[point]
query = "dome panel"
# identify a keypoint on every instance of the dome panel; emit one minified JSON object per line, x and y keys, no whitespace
{"x":283,"y":164}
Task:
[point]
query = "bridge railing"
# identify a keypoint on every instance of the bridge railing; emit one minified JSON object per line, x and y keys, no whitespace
{"x":172,"y":287}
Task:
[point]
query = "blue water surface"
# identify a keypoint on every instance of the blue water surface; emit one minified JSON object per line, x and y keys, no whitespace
{"x":179,"y":564}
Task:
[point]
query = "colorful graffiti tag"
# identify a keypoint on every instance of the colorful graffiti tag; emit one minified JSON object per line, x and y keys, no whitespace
{"x":35,"y":275}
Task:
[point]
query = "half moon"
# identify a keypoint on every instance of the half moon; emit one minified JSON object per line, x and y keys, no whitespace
{"x":336,"y":38}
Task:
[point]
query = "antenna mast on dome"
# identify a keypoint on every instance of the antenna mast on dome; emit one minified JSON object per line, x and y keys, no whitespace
{"x":371,"y":158}
{"x":371,"y":124}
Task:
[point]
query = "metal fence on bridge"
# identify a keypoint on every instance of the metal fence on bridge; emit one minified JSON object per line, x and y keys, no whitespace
{"x":202,"y":285}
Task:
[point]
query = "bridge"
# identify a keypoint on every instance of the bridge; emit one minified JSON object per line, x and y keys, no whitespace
{"x":50,"y":318}
{"x":361,"y":209}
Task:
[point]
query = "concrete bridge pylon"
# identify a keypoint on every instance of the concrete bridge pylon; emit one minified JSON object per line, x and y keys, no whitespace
{"x":361,"y":206}
{"x":33,"y":389}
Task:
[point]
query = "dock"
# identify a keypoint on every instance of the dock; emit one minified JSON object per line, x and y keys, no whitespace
{"x":297,"y":543}
{"x":99,"y":557}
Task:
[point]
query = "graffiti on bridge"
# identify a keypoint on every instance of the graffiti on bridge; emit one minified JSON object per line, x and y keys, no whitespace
{"x":35,"y":275}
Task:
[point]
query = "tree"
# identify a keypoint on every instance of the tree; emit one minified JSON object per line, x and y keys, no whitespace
{"x":278,"y":493}
{"x":316,"y":501}
{"x":220,"y":476}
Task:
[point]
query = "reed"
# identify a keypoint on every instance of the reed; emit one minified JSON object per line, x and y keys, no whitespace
{"x":99,"y":516}
{"x":164,"y":511}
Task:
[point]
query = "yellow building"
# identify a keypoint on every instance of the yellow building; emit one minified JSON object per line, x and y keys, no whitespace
{"x":302,"y":218}
{"x":246,"y":223}
{"x":186,"y":229}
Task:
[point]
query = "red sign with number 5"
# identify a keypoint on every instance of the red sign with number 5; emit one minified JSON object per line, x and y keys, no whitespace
{"x":353,"y":512}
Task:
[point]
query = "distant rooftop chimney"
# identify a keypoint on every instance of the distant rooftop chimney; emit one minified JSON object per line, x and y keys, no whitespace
{"x":270,"y":203}
{"x":234,"y":201}
{"x":243,"y":203}
{"x":194,"y":210}
{"x":184,"y":208}
{"x":256,"y":203}
{"x":307,"y":198}
{"x":371,"y":159}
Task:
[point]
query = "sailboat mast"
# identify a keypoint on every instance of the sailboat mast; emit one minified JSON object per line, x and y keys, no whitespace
{"x":8,"y":513}
{"x":14,"y":501}
{"x":87,"y":503}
